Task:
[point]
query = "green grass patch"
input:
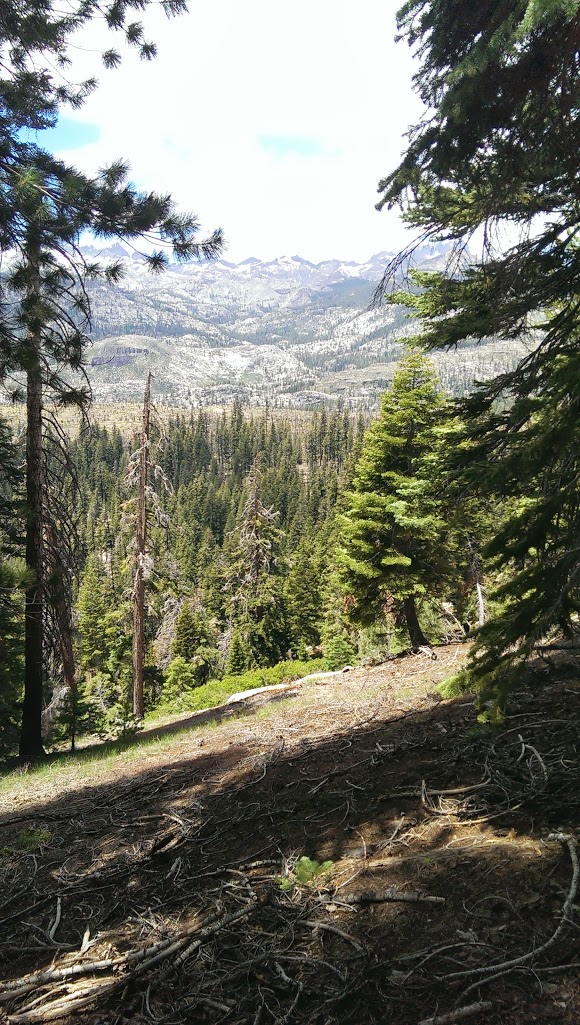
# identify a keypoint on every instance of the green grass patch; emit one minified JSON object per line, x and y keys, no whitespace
{"x":455,"y":686}
{"x":82,"y":766}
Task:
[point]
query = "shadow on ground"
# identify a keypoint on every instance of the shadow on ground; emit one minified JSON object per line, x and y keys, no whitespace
{"x":199,"y":856}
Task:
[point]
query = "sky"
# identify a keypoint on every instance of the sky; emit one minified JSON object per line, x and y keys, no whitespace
{"x":272,"y":121}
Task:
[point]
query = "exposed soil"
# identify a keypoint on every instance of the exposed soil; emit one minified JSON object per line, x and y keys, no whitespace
{"x":169,"y":889}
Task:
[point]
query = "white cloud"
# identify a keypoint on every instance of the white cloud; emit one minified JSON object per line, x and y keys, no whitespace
{"x":228,"y":75}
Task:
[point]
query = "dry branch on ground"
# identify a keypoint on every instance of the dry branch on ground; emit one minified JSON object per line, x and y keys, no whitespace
{"x":174,"y":895}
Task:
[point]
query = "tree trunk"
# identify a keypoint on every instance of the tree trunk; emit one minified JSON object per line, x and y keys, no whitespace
{"x":62,"y":605}
{"x":480,"y":604}
{"x":416,"y":634}
{"x":140,"y":543}
{"x":31,"y":731}
{"x":68,"y":663}
{"x":475,"y":566}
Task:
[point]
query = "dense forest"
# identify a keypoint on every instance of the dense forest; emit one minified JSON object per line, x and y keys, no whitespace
{"x":241,"y":565}
{"x":271,"y":538}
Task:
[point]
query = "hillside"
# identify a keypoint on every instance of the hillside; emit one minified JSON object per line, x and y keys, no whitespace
{"x":287,"y":330}
{"x":168,"y":882}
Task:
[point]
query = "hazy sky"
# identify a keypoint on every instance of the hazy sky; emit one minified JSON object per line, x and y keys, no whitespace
{"x":273,"y":121}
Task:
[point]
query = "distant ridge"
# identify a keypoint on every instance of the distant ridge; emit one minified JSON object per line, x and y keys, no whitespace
{"x":286,"y":330}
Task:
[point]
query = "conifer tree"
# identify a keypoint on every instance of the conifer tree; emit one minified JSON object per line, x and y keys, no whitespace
{"x":303,"y":595}
{"x":255,"y":597}
{"x":196,"y":640}
{"x":93,"y":604}
{"x":187,"y":634}
{"x":390,"y":550}
{"x":499,"y":144}
{"x":238,"y":655}
{"x":45,"y":205}
{"x":12,"y":586}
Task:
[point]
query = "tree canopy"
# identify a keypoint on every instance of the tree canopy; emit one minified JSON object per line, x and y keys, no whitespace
{"x":45,"y":207}
{"x":391,"y":552}
{"x":496,"y":153}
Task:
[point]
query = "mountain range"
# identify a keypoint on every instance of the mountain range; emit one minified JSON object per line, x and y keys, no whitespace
{"x":286,"y":330}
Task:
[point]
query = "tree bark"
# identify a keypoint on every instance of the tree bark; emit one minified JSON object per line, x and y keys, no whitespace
{"x":65,"y":628}
{"x":140,"y":543}
{"x":416,"y":634}
{"x":31,"y":731}
{"x":480,"y":604}
{"x":475,"y":566}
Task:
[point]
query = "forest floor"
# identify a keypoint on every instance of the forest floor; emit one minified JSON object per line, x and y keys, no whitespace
{"x":170,"y":884}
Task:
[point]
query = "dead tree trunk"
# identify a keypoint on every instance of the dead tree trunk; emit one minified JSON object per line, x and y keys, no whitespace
{"x":31,"y":731}
{"x":140,"y":543}
{"x":475,"y":566}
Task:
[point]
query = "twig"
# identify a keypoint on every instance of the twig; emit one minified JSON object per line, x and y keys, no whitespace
{"x":290,"y":982}
{"x":501,"y":969}
{"x":55,"y":924}
{"x":326,"y":927}
{"x":460,"y":1014}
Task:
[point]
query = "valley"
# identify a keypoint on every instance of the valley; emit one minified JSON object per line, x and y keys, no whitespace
{"x":287,"y":331}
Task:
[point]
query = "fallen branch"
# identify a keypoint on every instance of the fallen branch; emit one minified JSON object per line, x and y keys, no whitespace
{"x":289,"y":982}
{"x":501,"y":969}
{"x":460,"y":1014}
{"x":65,"y":1005}
{"x":142,"y":959}
{"x":401,"y":896}
{"x":326,"y":927}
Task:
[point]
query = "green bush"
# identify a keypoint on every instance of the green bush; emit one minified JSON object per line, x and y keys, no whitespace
{"x":216,"y":692}
{"x":306,"y":872}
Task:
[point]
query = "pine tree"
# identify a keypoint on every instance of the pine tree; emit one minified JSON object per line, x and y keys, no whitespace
{"x":255,"y":596}
{"x":303,"y":595}
{"x":93,"y":603}
{"x":142,"y":466}
{"x":11,"y":653}
{"x":390,"y":550}
{"x":499,"y":143}
{"x":238,"y":656}
{"x":196,"y":641}
{"x":45,"y":205}
{"x":12,"y":585}
{"x":187,"y":634}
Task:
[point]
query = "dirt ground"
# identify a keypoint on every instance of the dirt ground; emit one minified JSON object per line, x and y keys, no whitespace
{"x":174,"y":887}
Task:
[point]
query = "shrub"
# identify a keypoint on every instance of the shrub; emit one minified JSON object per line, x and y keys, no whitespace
{"x":185,"y":697}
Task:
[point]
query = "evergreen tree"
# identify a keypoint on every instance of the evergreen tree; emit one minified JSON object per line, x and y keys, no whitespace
{"x":256,"y":602}
{"x":196,"y":641}
{"x":238,"y":656}
{"x":303,"y":595}
{"x":187,"y":634}
{"x":390,"y":550}
{"x":11,"y":652}
{"x":337,"y":633}
{"x":93,"y":604}
{"x":499,"y":143}
{"x":45,"y":206}
{"x":14,"y":581}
